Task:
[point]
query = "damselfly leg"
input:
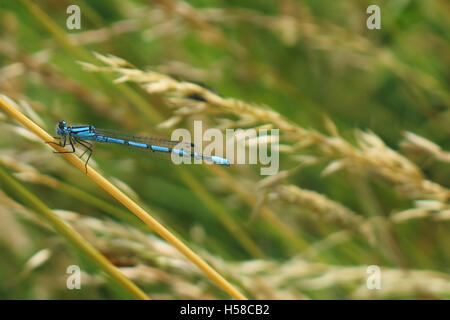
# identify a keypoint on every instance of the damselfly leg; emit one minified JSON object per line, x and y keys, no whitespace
{"x":88,"y":148}
{"x":62,"y":144}
{"x":72,"y":141}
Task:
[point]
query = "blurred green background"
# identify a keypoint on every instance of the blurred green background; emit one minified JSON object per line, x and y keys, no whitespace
{"x":303,"y":59}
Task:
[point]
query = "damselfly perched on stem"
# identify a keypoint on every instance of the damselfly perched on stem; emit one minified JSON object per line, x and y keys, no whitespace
{"x":82,"y":134}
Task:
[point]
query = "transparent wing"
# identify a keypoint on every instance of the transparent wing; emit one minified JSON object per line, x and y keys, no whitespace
{"x":156,"y":141}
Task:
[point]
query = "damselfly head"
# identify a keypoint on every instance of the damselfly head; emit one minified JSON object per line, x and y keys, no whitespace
{"x":61,"y":129}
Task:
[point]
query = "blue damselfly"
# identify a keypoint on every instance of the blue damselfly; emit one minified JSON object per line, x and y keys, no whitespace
{"x":82,"y":134}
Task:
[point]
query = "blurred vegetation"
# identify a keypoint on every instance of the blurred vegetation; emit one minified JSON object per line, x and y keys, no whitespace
{"x":343,"y":199}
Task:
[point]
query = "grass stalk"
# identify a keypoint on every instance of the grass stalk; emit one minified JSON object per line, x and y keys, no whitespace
{"x":126,"y":201}
{"x":82,"y":54}
{"x":72,"y":236}
{"x":221,"y":214}
{"x":294,"y":241}
{"x":151,"y":114}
